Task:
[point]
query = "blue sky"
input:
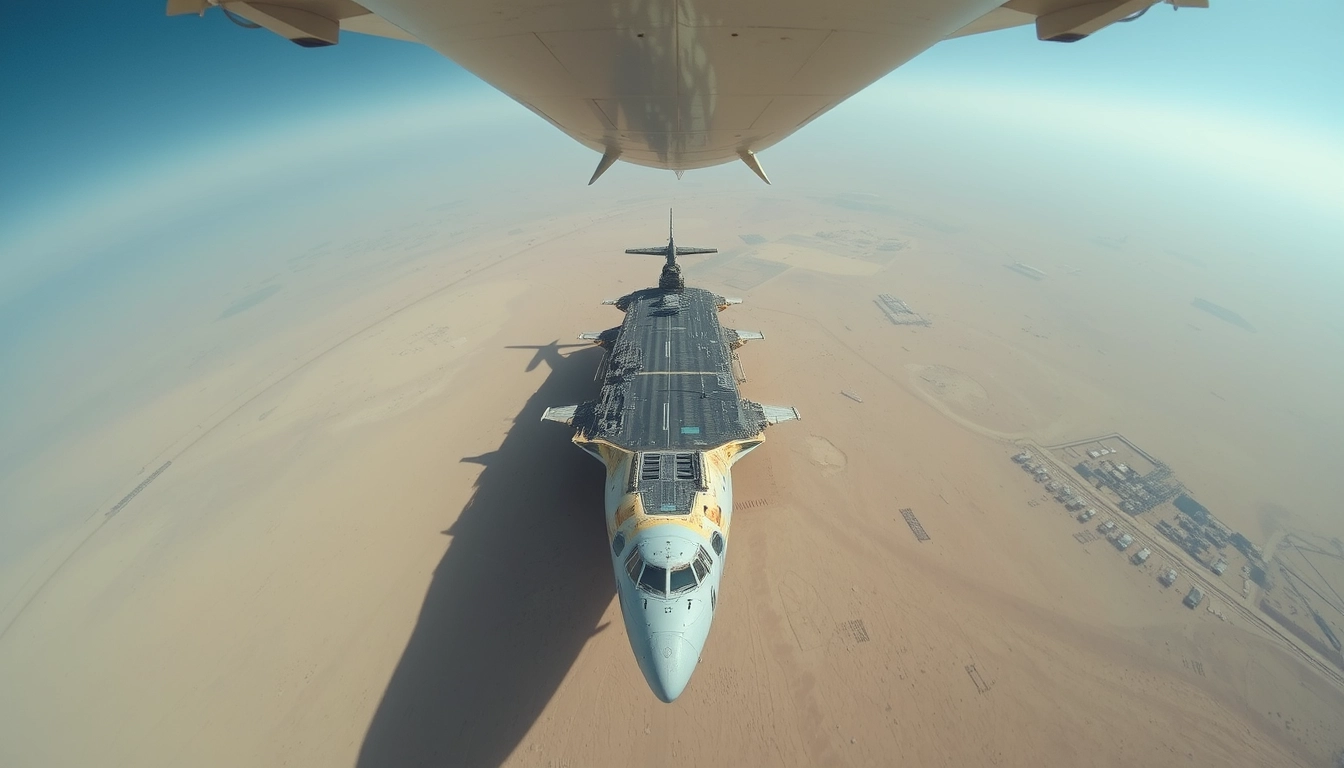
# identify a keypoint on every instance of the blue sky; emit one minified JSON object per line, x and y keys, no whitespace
{"x":1280,"y":59}
{"x":96,"y":89}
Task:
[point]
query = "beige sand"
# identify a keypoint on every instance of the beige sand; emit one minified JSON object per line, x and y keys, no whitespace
{"x":815,"y":260}
{"x":368,"y":550}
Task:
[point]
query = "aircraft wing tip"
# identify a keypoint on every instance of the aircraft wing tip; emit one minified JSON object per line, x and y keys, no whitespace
{"x":754,"y":163}
{"x":563,"y":414}
{"x":774,"y":414}
{"x":609,"y":159}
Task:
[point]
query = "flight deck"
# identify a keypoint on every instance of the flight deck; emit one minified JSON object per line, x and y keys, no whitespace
{"x":668,"y":382}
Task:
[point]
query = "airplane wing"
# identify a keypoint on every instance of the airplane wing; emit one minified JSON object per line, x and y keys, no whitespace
{"x":309,"y":23}
{"x":601,"y":338}
{"x":676,"y":85}
{"x":774,"y":414}
{"x":691,"y":251}
{"x":657,"y":251}
{"x":1066,"y":21}
{"x":561,"y":413}
{"x":737,"y":338}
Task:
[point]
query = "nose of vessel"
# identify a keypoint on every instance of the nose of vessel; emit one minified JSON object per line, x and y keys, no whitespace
{"x":672,"y":660}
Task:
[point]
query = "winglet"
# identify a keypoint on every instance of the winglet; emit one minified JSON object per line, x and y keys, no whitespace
{"x":737,"y":338}
{"x":563,"y":414}
{"x":777,"y":413}
{"x":608,"y":159}
{"x":753,"y":163}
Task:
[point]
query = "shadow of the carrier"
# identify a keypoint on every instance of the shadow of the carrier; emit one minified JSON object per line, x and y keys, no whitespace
{"x":519,"y":592}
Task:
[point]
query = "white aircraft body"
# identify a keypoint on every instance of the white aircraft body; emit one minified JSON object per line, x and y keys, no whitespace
{"x":676,"y":84}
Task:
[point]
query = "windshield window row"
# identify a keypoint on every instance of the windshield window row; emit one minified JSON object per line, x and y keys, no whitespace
{"x":659,"y":581}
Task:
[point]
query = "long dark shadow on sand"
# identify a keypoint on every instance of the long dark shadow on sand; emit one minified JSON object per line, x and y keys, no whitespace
{"x":519,"y":592}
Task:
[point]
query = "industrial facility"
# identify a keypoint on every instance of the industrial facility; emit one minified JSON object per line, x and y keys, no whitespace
{"x":1111,"y":464}
{"x":900,"y":313}
{"x":1302,"y":593}
{"x":1137,"y":493}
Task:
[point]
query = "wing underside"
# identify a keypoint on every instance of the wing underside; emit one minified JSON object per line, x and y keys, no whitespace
{"x":681,"y":84}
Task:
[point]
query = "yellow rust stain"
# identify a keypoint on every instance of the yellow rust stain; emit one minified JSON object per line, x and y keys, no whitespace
{"x":625,"y":511}
{"x":646,"y":521}
{"x":718,"y":460}
{"x":610,"y":454}
{"x":722,"y":458}
{"x":715,"y":515}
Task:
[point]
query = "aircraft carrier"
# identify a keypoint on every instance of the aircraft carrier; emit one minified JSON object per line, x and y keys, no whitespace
{"x":669,"y":423}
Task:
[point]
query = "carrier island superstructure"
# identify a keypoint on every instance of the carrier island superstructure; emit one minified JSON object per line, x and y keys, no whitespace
{"x":668,"y":425}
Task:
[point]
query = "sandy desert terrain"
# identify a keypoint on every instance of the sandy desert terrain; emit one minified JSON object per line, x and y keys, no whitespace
{"x":369,"y":551}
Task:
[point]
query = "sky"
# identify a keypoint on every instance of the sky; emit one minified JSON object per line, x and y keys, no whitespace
{"x":147,"y":161}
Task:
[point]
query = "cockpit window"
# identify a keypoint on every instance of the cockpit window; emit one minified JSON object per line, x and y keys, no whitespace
{"x":654,"y":579}
{"x":632,"y":565}
{"x":702,"y":557}
{"x":681,"y":580}
{"x":700,"y":570}
{"x":660,"y":581}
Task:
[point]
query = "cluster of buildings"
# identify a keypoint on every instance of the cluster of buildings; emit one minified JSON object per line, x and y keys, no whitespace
{"x":900,"y":313}
{"x":1063,"y":492}
{"x":1168,"y":575}
{"x":1206,"y":539}
{"x":1201,"y":542}
{"x":1138,"y":492}
{"x":1118,"y":538}
{"x":1032,"y":467}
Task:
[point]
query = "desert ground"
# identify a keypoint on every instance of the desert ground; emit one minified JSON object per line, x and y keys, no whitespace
{"x":368,"y":551}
